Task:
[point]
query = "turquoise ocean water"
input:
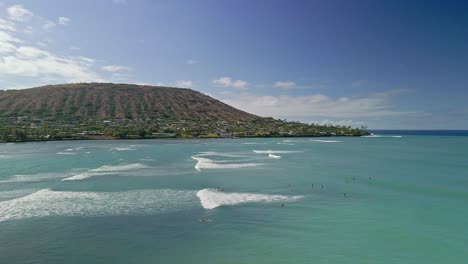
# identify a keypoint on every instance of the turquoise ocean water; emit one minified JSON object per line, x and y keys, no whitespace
{"x":346,"y":200}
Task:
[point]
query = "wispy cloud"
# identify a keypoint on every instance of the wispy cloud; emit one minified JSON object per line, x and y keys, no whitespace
{"x":23,"y":58}
{"x":115,"y":68}
{"x":63,"y":21}
{"x":184,"y":84}
{"x":28,"y":61}
{"x":284,"y":84}
{"x":48,"y":24}
{"x":229,"y":82}
{"x":191,"y":62}
{"x":345,"y":122}
{"x":7,"y":25}
{"x":316,"y":105}
{"x":19,"y":13}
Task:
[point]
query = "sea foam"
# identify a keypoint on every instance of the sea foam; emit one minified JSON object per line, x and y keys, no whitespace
{"x":123,"y":148}
{"x":47,"y":202}
{"x":276,"y":151}
{"x":211,"y":198}
{"x":204,"y":163}
{"x":106,"y":170}
{"x":274,"y":156}
{"x":381,"y":136}
{"x":325,"y":141}
{"x":39,"y":177}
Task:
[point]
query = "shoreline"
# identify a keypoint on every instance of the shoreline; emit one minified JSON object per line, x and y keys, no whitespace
{"x":108,"y":138}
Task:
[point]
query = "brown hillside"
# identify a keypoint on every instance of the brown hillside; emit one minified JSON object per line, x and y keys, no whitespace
{"x":110,"y":101}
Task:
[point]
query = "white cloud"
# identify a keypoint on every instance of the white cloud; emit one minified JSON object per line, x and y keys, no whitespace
{"x":348,"y":122}
{"x":119,"y":77}
{"x":229,"y":82}
{"x":19,"y":13}
{"x":115,"y":68}
{"x":28,"y":30}
{"x":191,"y":62}
{"x":7,"y":25}
{"x":284,"y":84}
{"x":48,"y":25}
{"x":63,"y":21}
{"x":19,"y":60}
{"x":317,"y":105}
{"x":184,"y":84}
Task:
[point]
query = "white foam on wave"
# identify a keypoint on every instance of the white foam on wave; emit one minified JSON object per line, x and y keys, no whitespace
{"x":274,"y":156}
{"x":276,"y":151}
{"x":325,"y":141}
{"x":12,"y":194}
{"x":221,"y":154}
{"x":123,"y":148}
{"x":210,"y":198}
{"x":38,"y":177}
{"x":381,"y":136}
{"x":204,"y":163}
{"x":47,"y":202}
{"x":252,"y":143}
{"x":106,"y":170}
{"x":70,"y":151}
{"x":282,"y":143}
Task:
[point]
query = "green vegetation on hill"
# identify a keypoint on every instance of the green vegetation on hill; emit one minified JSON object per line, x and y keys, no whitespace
{"x":105,"y":111}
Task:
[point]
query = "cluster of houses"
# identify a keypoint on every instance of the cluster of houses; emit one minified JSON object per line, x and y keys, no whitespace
{"x":48,"y":128}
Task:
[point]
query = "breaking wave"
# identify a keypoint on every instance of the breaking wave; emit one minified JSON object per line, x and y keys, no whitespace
{"x":47,"y":202}
{"x":325,"y":141}
{"x":8,"y":195}
{"x":106,"y":170}
{"x":35,"y":177}
{"x":204,"y":163}
{"x":276,"y":151}
{"x":274,"y":156}
{"x":221,"y":154}
{"x":123,"y":148}
{"x":211,"y":198}
{"x":381,"y":136}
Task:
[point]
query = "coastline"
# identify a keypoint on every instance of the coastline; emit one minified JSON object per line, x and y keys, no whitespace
{"x":107,"y":138}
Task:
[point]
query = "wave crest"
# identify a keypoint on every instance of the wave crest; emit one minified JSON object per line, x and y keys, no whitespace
{"x":106,"y":170}
{"x":210,"y":198}
{"x":47,"y":202}
{"x":204,"y":163}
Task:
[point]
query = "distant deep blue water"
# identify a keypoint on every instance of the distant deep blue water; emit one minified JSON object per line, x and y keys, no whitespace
{"x":422,"y":132}
{"x":391,"y":198}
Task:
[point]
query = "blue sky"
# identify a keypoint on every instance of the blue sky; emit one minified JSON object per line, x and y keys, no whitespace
{"x":384,"y":64}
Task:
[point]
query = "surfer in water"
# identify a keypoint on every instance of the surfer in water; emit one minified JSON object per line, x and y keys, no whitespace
{"x":282,"y":205}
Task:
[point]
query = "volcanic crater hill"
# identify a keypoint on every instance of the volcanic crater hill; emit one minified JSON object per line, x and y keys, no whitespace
{"x":114,"y":101}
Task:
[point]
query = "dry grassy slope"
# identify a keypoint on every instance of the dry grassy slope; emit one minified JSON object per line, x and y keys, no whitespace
{"x":107,"y":100}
